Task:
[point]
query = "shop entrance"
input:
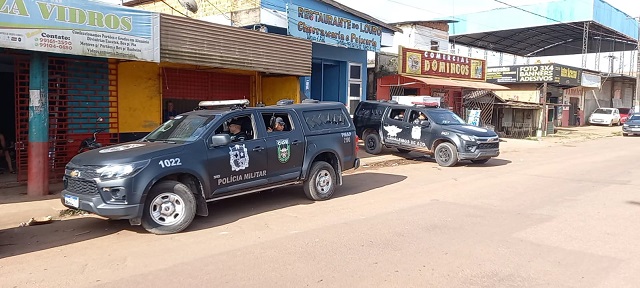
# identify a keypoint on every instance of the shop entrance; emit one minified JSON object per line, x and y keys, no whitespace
{"x":7,"y":117}
{"x":80,"y":91}
{"x":186,"y":88}
{"x":325,"y":81}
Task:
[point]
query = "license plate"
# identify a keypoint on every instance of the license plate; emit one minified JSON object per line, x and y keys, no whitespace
{"x":72,"y":201}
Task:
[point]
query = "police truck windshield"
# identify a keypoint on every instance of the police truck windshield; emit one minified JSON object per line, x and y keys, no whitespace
{"x":445,"y":117}
{"x":182,"y":128}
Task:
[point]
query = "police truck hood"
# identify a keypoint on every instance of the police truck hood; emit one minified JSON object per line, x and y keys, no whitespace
{"x":469,"y":130}
{"x":126,"y":153}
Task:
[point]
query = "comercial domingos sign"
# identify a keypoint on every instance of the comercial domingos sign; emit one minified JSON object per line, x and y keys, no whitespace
{"x":84,"y":28}
{"x":438,"y":64}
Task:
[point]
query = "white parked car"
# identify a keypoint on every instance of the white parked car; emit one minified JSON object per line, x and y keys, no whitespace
{"x":605,"y":116}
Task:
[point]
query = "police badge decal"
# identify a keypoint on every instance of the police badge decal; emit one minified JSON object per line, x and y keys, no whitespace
{"x":238,"y":157}
{"x":284,"y":150}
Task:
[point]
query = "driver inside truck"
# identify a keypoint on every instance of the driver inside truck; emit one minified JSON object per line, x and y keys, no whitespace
{"x":421,"y":117}
{"x":235,"y":131}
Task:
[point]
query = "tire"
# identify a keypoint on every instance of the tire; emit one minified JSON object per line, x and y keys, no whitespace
{"x":170,"y":195}
{"x":625,"y":134}
{"x":611,"y":123}
{"x":403,"y":151}
{"x":480,"y":161}
{"x":321,"y":183}
{"x":446,"y":154}
{"x":372,"y":144}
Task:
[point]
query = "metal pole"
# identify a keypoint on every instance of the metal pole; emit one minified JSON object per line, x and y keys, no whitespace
{"x":546,"y":109}
{"x":637,"y":107}
{"x":38,"y":176}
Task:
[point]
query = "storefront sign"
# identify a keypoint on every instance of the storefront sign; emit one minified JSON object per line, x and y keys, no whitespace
{"x":538,"y":73}
{"x":80,"y":28}
{"x":438,"y":64}
{"x":332,"y":30}
{"x":566,"y":75}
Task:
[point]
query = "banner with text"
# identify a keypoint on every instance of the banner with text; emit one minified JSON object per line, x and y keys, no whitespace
{"x":536,"y":73}
{"x":438,"y":64}
{"x":84,"y":28}
{"x":333,"y":30}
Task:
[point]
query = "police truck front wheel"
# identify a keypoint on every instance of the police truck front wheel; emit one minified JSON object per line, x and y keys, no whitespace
{"x":170,"y":208}
{"x":372,"y":143}
{"x":446,"y":154}
{"x":321,"y":182}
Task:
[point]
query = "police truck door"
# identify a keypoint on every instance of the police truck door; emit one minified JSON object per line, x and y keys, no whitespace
{"x":285,"y":145}
{"x":242,"y":164}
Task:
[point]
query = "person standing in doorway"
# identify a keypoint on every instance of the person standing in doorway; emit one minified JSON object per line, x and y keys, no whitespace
{"x":577,"y":115}
{"x":169,"y":113}
{"x":5,"y":153}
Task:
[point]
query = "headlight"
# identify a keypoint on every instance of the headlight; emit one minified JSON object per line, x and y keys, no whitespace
{"x":121,"y":170}
{"x":625,"y":125}
{"x":467,"y":137}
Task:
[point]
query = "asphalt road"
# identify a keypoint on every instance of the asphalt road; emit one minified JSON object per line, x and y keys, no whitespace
{"x":564,"y":216}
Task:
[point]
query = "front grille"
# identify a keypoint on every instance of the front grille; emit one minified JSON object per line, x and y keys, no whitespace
{"x":86,"y":172}
{"x":81,"y":186}
{"x":488,"y":145}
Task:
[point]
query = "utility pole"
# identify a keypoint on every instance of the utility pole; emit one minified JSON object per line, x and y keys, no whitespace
{"x":636,"y":104}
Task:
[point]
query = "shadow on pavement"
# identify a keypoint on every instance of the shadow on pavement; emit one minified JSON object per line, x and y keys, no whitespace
{"x":23,"y":240}
{"x":230,"y":210}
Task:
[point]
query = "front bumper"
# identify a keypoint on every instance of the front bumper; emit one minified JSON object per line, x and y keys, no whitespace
{"x":631,"y":130}
{"x":96,"y":205}
{"x":479,"y":154}
{"x":113,"y":199}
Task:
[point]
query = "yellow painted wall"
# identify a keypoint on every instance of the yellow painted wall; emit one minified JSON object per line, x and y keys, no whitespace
{"x":278,"y":88}
{"x":139,"y":96}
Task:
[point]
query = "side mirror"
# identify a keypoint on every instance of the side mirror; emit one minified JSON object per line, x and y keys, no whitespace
{"x":220,"y":140}
{"x":425,"y":123}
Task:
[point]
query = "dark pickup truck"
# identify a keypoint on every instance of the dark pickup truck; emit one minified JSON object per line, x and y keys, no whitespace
{"x":227,"y":149}
{"x":434,"y":131}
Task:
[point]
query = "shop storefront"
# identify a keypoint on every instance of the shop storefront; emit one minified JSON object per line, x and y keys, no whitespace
{"x":206,"y":61}
{"x":542,"y":84}
{"x":436,"y":74}
{"x":341,"y":39}
{"x":60,"y":75}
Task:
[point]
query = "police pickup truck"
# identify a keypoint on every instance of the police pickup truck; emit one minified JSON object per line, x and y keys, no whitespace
{"x":224,"y":150}
{"x":434,"y":131}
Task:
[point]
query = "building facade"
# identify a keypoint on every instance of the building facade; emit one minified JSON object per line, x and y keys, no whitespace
{"x":341,"y":38}
{"x":543,"y":84}
{"x":113,"y":68}
{"x":436,"y":74}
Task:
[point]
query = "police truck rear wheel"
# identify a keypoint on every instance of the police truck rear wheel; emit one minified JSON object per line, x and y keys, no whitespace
{"x":372,"y":143}
{"x":321,"y":182}
{"x":170,"y":208}
{"x":446,"y":154}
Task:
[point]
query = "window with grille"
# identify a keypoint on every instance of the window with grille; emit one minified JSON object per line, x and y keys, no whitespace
{"x":355,"y":86}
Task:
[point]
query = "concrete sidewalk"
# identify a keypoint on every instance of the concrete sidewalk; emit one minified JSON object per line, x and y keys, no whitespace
{"x":16,"y":207}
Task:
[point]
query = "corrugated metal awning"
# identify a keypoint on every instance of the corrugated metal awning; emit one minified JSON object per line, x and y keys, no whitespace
{"x":190,"y":41}
{"x":458,"y":83}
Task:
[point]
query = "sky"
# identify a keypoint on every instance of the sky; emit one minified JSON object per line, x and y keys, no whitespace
{"x":405,"y":10}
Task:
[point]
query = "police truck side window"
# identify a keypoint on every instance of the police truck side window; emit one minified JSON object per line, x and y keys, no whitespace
{"x":397,"y":114}
{"x":277,"y":122}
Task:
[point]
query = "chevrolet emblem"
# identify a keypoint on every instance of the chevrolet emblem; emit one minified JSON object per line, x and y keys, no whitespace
{"x":75,"y":174}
